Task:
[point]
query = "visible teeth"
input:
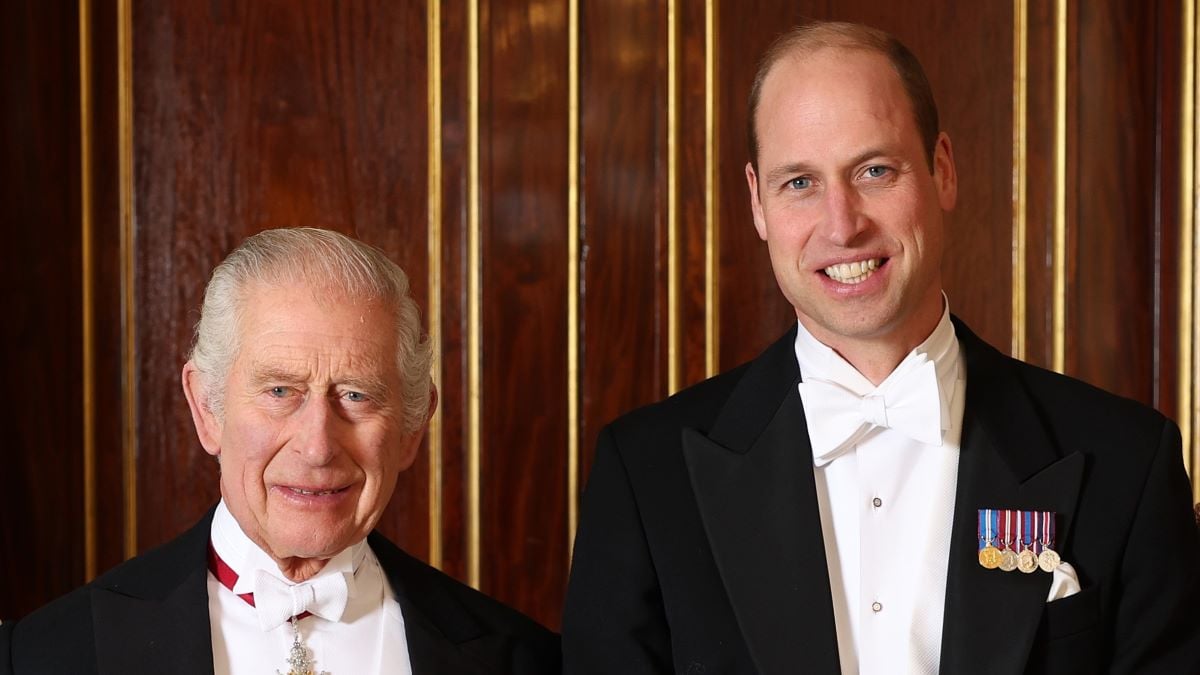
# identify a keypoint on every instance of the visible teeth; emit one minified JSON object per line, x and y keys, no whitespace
{"x":853,"y":272}
{"x":302,"y":491}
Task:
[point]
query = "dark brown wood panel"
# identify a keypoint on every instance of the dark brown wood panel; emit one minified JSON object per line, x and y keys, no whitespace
{"x":453,"y":82}
{"x":692,"y":191}
{"x":1168,"y":179}
{"x":971,"y":75}
{"x":622,"y":217}
{"x":523,"y":106}
{"x":1113,"y":255}
{"x":257,"y":116}
{"x":1039,"y":185}
{"x":42,"y":531}
{"x":106,"y":285}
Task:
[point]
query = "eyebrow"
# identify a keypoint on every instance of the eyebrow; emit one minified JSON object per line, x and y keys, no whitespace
{"x":264,"y":374}
{"x":372,"y":386}
{"x":787,"y":170}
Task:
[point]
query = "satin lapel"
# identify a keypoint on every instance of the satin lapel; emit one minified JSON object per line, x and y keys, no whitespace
{"x":753,"y":481}
{"x":154,"y":618}
{"x":443,"y":637}
{"x":1008,"y":461}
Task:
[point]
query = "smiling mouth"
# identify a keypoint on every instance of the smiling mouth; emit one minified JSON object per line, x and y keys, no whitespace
{"x":854,"y":272}
{"x":316,"y":493}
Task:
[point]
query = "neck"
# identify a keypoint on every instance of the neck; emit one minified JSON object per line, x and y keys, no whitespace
{"x":877,"y":355}
{"x":300,"y":569}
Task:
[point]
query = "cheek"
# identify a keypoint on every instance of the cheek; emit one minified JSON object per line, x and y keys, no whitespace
{"x":378,"y":455}
{"x":253,"y":444}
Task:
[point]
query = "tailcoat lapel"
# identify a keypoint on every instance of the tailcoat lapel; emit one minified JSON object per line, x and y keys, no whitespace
{"x":443,"y":637}
{"x":162,"y":607}
{"x":1008,"y":461}
{"x":753,"y":480}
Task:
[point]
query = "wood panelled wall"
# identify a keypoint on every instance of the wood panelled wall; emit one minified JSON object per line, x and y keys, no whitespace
{"x":562,"y":180}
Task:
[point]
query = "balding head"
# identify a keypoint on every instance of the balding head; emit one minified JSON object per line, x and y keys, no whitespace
{"x":809,"y":38}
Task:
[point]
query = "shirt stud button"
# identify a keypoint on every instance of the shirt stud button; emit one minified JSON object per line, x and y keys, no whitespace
{"x":876,"y":607}
{"x":877,"y":502}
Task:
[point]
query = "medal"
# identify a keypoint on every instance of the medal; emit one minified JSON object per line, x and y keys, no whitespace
{"x":1026,"y":560}
{"x":1008,"y":557}
{"x":1049,"y":559}
{"x":1012,"y":539}
{"x":989,"y":555}
{"x":298,"y":659}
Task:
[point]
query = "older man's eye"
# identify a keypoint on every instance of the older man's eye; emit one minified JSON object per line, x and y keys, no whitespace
{"x":877,"y":171}
{"x":279,"y":392}
{"x":356,"y":397}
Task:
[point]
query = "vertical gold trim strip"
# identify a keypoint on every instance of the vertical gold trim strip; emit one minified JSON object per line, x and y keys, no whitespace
{"x":128,"y":297}
{"x":433,"y":45}
{"x":86,"y":271}
{"x":672,"y":200}
{"x":1187,"y":242}
{"x":474,"y":302}
{"x":1020,"y":140}
{"x":572,"y":273}
{"x":1060,"y":187}
{"x":711,"y":195}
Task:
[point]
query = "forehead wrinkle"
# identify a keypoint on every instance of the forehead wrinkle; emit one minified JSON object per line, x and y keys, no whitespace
{"x":333,"y":368}
{"x":274,"y":372}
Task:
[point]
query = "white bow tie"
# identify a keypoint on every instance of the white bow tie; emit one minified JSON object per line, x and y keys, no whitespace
{"x":910,"y":404}
{"x":278,"y":601}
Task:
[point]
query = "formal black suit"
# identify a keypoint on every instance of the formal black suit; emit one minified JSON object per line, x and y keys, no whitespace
{"x":150,"y":615}
{"x":700,"y":546}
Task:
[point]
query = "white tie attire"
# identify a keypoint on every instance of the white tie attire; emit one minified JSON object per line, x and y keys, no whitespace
{"x":356,"y":624}
{"x":886,"y":466}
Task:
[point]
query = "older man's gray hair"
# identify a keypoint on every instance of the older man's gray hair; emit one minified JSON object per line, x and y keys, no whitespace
{"x":325,"y":260}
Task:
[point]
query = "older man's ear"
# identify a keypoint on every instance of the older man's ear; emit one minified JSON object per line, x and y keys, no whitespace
{"x":208,"y":427}
{"x":412,"y":442}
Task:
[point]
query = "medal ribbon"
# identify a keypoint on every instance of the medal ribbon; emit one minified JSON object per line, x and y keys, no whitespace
{"x":1005,"y":530}
{"x":1026,"y":542}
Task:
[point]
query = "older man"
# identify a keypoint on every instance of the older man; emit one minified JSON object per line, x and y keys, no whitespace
{"x":309,"y":383}
{"x":879,"y":491}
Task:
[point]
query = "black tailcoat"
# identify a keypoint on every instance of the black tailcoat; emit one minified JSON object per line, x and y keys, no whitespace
{"x":150,"y":615}
{"x":700,"y":546}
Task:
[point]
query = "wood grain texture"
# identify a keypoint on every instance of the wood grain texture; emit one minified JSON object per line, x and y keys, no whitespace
{"x":41,"y":533}
{"x":523,"y":106}
{"x":453,"y":295}
{"x":623,"y":315}
{"x":106,"y":284}
{"x":1113,"y":255}
{"x":258,"y":116}
{"x":692,"y":191}
{"x":1039,"y":186}
{"x":1168,"y":83}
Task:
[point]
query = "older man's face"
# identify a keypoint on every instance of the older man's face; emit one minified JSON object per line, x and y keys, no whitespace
{"x":845,"y":199}
{"x":313,"y":437}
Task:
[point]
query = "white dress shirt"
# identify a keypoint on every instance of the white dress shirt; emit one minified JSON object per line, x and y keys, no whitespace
{"x":887,"y":506}
{"x":369,"y":638}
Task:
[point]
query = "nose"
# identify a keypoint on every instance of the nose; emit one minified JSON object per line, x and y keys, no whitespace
{"x":316,"y":437}
{"x":843,"y":214}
